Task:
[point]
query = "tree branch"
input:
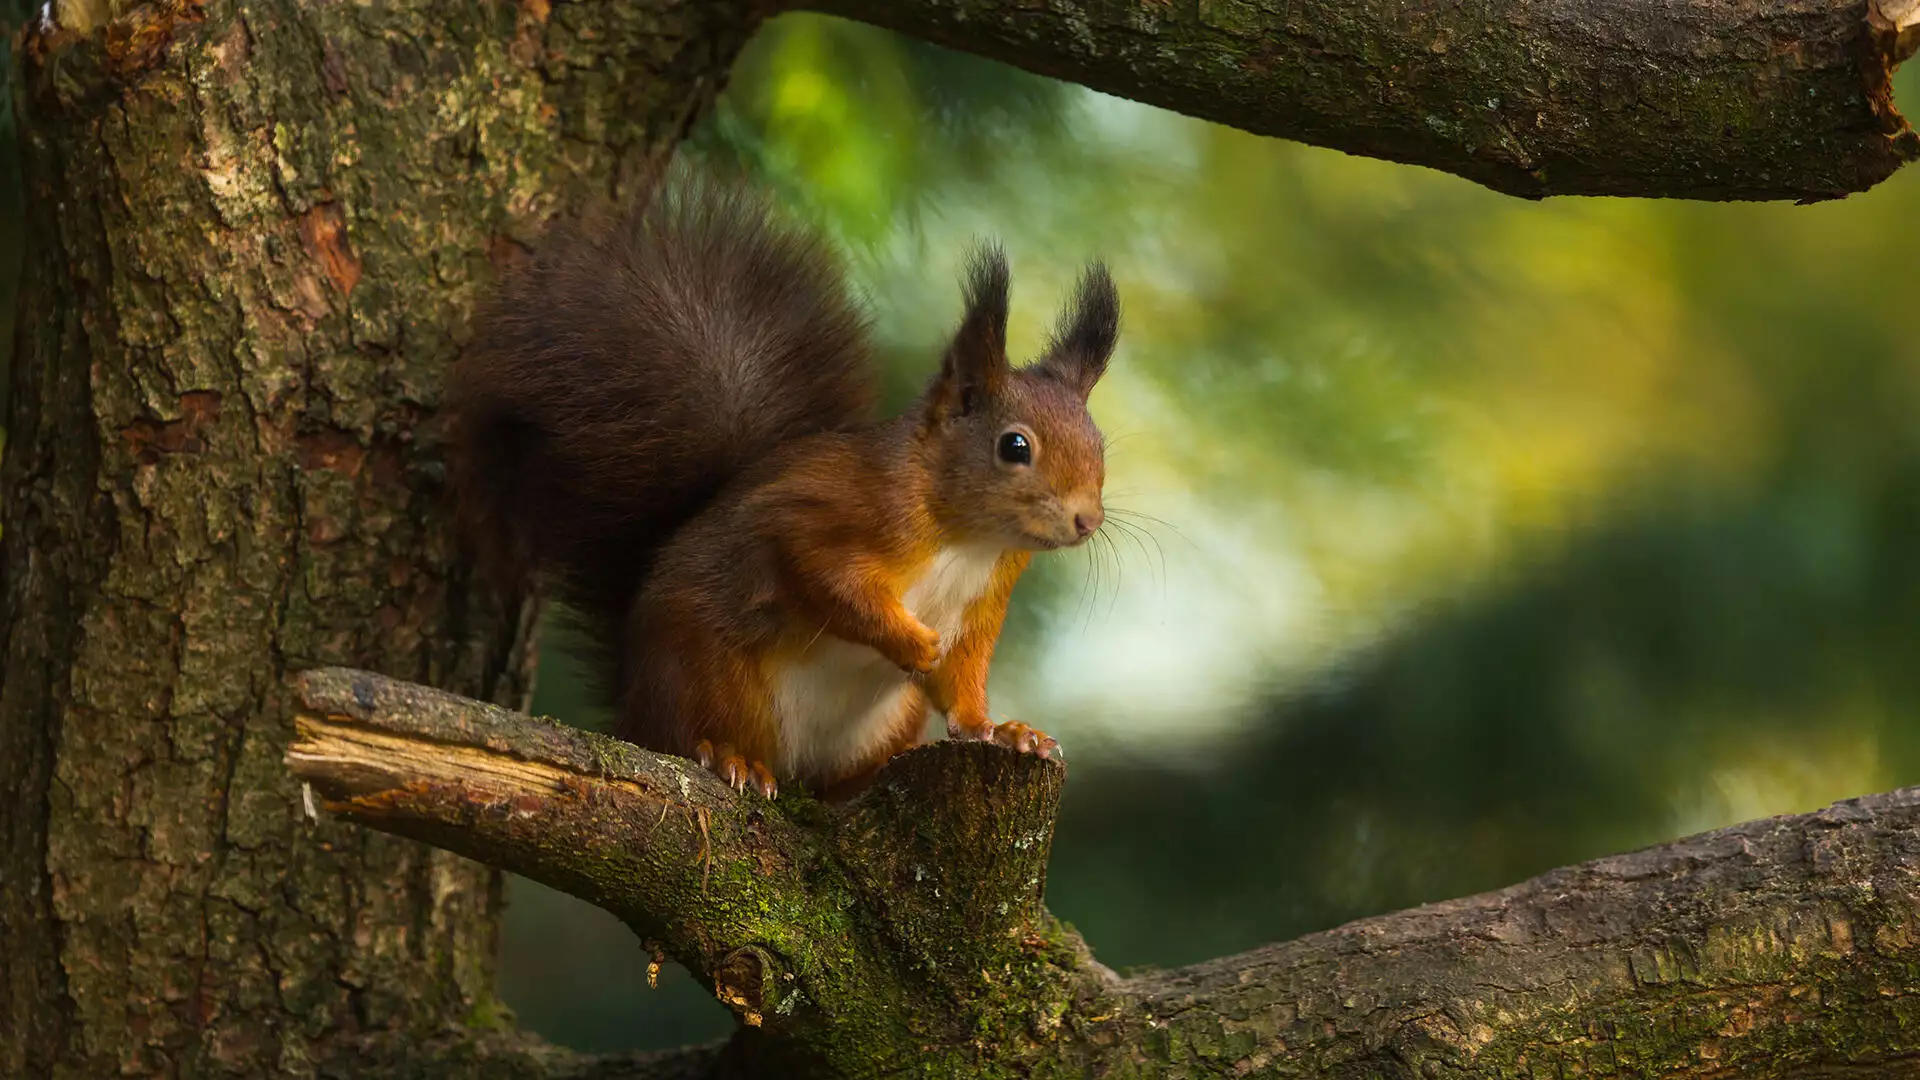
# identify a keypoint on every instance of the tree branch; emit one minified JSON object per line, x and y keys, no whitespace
{"x":635,"y":833}
{"x":1778,"y":948}
{"x":1716,"y":99}
{"x":903,"y":935}
{"x":821,"y":929}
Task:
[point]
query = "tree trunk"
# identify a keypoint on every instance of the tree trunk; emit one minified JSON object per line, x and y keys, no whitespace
{"x":905,"y":935}
{"x":256,"y":230}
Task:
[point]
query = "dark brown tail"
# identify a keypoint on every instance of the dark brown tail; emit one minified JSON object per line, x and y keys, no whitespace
{"x":632,"y":367}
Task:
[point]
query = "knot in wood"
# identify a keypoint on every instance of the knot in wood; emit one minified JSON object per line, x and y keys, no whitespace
{"x":747,"y":981}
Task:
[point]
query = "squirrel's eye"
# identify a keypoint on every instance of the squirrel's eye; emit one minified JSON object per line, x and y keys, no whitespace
{"x":1015,"y":449}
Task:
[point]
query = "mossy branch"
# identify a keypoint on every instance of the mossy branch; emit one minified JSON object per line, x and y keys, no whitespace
{"x":642,"y":835}
{"x":823,"y":929}
{"x":1713,"y":99}
{"x":904,"y":934}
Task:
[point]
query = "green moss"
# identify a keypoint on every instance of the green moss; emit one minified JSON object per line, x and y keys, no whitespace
{"x":489,"y":1013}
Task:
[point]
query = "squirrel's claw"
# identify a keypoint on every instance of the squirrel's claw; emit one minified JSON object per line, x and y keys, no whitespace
{"x":1027,"y":740}
{"x":736,"y":771}
{"x":761,"y":779}
{"x":1013,"y":735}
{"x":961,"y":729}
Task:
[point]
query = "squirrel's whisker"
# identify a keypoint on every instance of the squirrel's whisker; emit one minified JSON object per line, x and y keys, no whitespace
{"x":1133,"y":533}
{"x":1137,"y":517}
{"x":1119,"y":568}
{"x":1097,"y":565}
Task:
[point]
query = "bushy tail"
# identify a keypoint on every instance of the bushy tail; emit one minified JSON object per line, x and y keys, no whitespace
{"x":633,"y":366}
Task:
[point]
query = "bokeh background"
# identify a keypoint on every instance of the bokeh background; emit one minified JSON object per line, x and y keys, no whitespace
{"x":1455,"y":538}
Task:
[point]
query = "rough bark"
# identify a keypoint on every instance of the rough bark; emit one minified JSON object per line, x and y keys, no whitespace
{"x":255,"y":231}
{"x":904,"y":934}
{"x":1714,"y":99}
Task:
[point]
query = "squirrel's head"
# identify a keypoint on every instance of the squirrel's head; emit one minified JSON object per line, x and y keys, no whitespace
{"x":1017,"y":457}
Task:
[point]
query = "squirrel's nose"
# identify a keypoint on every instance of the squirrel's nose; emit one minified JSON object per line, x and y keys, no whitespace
{"x":1085,"y":522}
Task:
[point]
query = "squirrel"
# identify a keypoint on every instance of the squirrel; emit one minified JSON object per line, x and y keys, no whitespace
{"x":667,"y":417}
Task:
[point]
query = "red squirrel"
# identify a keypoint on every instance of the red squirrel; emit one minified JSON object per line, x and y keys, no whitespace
{"x":668,"y":416}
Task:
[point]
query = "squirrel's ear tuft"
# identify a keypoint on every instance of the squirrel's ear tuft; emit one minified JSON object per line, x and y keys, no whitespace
{"x":976,"y":362}
{"x":1084,"y":338}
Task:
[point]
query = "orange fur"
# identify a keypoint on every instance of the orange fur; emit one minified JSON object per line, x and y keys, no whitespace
{"x":959,"y":687}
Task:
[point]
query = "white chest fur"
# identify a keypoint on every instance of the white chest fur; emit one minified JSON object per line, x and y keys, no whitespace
{"x":952,"y":581}
{"x":839,"y":700}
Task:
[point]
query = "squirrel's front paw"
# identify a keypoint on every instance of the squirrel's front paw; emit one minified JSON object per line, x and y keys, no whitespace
{"x":920,"y":652}
{"x":1012,"y":734}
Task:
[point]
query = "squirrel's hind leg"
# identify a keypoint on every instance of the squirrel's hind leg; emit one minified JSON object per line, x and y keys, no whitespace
{"x":689,"y":694}
{"x":908,"y":730}
{"x":739,"y":772}
{"x":739,"y":747}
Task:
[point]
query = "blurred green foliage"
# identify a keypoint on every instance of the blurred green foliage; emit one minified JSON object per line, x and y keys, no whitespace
{"x":1471,"y":537}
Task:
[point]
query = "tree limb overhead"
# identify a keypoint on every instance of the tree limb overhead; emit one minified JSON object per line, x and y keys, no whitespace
{"x":903,"y":934}
{"x":1717,"y":99}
